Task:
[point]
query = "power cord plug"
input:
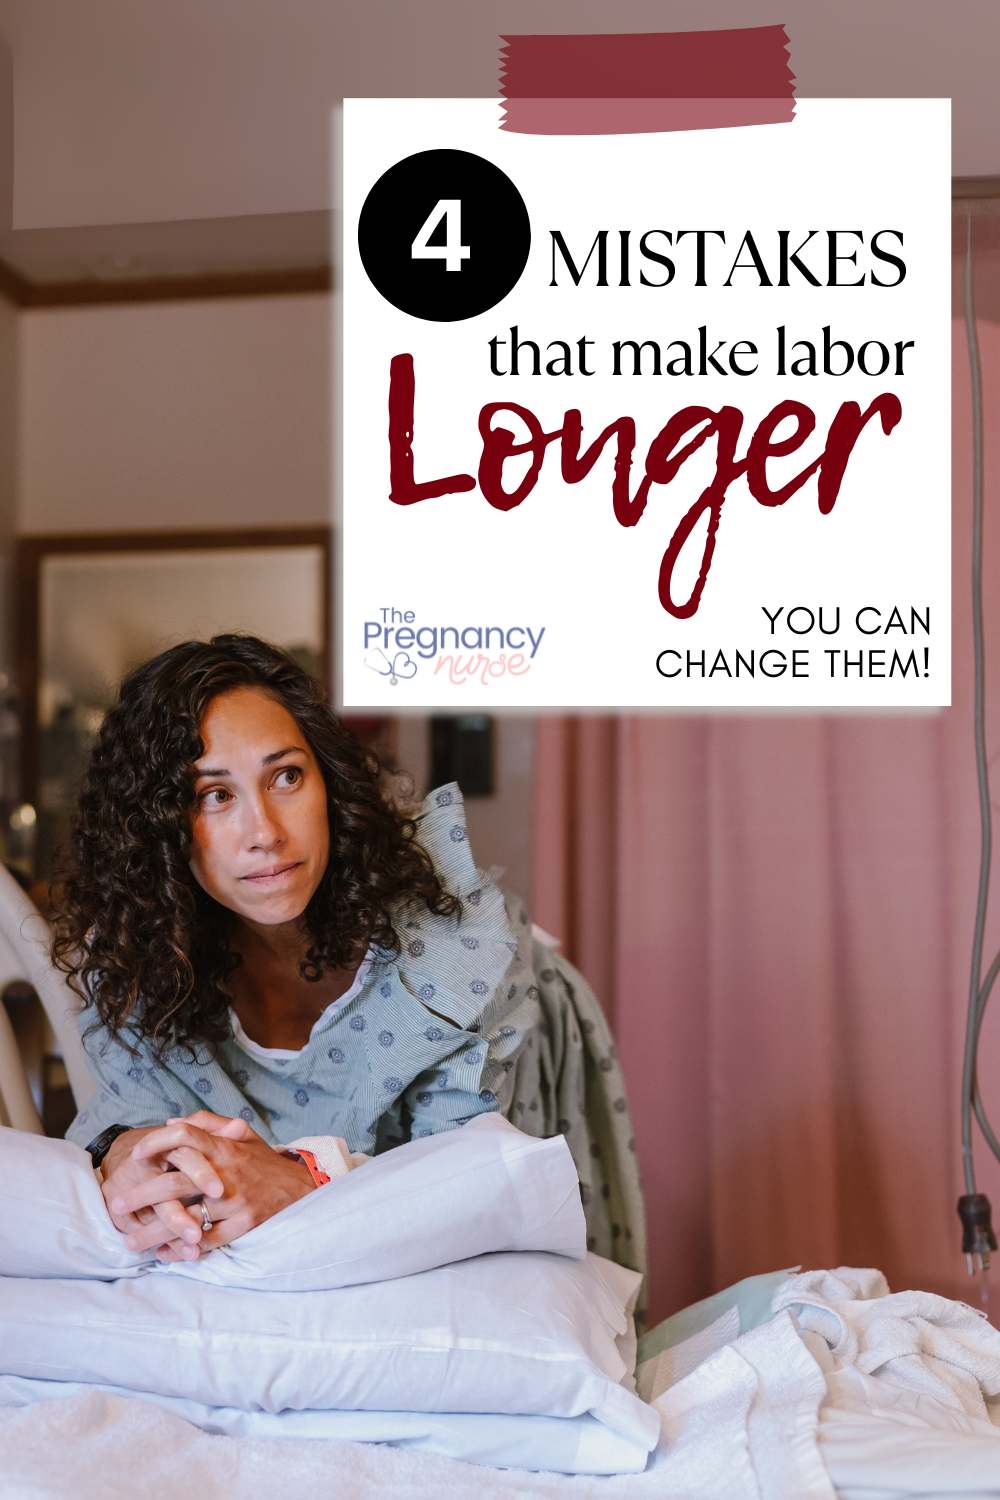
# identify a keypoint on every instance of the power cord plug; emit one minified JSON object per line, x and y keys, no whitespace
{"x":978,"y":1236}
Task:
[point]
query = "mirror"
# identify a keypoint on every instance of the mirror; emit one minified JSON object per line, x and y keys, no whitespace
{"x":92,"y":608}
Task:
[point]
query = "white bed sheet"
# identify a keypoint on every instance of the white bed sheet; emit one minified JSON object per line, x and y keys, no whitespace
{"x":101,"y":1447}
{"x":566,"y":1445}
{"x":769,"y":1415}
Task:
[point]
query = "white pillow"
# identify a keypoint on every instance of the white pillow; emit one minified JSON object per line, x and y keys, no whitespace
{"x":485,"y":1187}
{"x":527,"y":1334}
{"x":53,"y":1221}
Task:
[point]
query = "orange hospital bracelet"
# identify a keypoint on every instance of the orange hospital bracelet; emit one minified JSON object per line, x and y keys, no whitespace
{"x":319,"y":1177}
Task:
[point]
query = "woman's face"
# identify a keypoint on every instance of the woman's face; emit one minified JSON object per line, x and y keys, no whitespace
{"x":260,"y":840}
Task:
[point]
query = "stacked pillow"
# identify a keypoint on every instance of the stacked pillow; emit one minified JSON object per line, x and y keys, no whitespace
{"x":448,"y":1276}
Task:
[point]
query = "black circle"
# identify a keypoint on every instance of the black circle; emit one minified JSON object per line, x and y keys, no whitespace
{"x":494,"y":228}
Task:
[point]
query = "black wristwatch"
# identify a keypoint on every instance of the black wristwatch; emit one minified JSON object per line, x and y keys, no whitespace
{"x":101,"y":1144}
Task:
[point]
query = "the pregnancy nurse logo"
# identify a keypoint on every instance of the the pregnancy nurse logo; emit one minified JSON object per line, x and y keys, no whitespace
{"x":682,"y":396}
{"x":469,"y":654}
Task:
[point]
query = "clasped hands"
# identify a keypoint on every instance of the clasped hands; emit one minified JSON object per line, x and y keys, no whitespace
{"x":153,"y":1175}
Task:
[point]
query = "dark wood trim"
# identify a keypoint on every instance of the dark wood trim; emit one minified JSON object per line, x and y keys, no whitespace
{"x":174,"y":541}
{"x":163,"y":288}
{"x":179,"y":288}
{"x":12,"y":286}
{"x":30,"y":552}
{"x":963,"y":188}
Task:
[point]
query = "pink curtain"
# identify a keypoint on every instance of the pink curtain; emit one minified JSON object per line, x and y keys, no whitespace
{"x":777,"y":912}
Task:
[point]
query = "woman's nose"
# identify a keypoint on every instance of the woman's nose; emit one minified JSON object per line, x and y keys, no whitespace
{"x":263,"y":830}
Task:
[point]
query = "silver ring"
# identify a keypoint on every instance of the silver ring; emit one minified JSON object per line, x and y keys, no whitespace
{"x":206,"y":1217}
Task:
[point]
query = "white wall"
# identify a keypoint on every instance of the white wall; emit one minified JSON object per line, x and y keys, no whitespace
{"x":175,"y":414}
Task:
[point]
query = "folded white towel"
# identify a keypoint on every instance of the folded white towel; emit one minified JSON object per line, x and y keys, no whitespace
{"x":917,"y":1341}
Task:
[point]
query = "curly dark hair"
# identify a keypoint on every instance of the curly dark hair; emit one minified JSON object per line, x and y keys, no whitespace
{"x":133,"y":930}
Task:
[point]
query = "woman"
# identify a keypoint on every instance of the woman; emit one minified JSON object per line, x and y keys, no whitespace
{"x":267,"y":950}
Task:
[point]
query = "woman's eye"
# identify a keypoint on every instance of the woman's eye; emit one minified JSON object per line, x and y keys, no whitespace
{"x":207,"y":799}
{"x":293,"y":771}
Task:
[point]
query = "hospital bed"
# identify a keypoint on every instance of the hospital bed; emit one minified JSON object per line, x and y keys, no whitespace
{"x":24,"y":955}
{"x":758,"y":1395}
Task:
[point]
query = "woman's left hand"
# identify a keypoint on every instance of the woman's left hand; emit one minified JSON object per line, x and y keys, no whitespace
{"x":257,"y":1181}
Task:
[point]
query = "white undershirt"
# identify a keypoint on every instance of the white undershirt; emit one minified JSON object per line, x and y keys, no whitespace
{"x":256,"y":1050}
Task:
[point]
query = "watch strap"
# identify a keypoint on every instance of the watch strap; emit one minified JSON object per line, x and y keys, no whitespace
{"x":101,"y":1144}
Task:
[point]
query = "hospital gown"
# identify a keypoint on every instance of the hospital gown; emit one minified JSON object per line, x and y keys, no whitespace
{"x":381,"y":1065}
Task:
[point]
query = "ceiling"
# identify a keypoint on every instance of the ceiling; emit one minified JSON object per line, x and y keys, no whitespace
{"x":189,"y":142}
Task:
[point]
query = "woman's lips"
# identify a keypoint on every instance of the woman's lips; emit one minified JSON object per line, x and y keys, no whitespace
{"x":282,"y":873}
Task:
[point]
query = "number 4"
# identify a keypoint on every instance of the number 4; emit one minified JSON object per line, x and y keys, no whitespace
{"x":452,"y":252}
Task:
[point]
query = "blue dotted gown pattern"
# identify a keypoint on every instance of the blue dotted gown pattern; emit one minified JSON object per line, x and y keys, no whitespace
{"x":423,"y":1041}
